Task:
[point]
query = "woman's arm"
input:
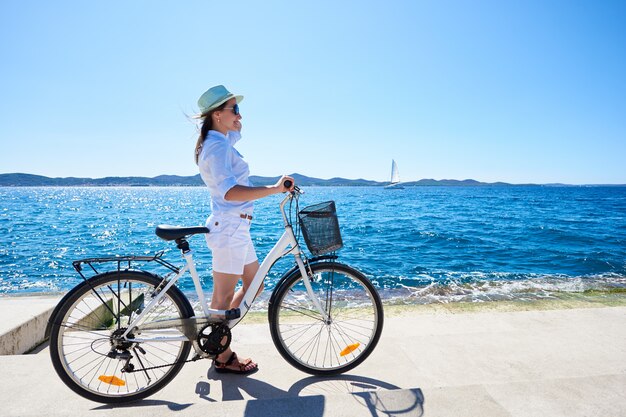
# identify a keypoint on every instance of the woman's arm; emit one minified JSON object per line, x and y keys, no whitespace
{"x":244,"y":193}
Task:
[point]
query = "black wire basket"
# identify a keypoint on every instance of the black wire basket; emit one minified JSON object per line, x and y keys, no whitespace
{"x":320,"y":228}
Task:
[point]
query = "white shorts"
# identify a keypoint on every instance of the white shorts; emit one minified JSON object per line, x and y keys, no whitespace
{"x":230,"y":243}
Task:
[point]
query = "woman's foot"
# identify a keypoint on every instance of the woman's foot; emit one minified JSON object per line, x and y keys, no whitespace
{"x":235,"y":366}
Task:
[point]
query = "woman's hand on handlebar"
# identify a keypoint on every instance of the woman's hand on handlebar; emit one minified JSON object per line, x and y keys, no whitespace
{"x":245,"y":193}
{"x":285,"y":184}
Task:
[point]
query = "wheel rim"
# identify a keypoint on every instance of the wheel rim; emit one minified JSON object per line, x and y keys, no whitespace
{"x":335,"y":343}
{"x":85,"y":339}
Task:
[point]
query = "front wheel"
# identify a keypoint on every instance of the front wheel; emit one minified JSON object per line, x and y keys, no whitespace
{"x":340,"y":338}
{"x":86,"y":347}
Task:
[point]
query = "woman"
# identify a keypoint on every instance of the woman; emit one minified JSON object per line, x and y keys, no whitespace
{"x":225,"y":172}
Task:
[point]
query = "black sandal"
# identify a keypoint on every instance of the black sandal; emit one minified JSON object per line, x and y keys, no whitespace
{"x":222,"y":367}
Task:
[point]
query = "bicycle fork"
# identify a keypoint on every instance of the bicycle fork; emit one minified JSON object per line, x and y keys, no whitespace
{"x":307,"y":275}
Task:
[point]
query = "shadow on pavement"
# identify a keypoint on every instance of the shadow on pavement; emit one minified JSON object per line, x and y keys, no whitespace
{"x":307,"y":397}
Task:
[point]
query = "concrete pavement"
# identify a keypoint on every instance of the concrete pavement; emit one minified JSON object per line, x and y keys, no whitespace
{"x":568,"y":362}
{"x":23,"y":322}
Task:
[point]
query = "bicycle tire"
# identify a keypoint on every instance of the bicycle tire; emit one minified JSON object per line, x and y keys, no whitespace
{"x":81,"y":330}
{"x":312,"y":345}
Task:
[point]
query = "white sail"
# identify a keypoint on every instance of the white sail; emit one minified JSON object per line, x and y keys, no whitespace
{"x":395,"y":177}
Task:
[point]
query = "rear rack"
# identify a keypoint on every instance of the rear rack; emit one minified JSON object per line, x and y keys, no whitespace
{"x":123,"y":262}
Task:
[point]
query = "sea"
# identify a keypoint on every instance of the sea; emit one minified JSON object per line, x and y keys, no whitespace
{"x":417,"y":245}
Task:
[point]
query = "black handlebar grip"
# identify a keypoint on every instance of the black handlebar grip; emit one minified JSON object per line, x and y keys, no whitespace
{"x":287,"y":183}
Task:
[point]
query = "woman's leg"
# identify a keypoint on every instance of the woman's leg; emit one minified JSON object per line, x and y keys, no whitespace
{"x":223,"y":294}
{"x":223,"y":290}
{"x":249,"y":271}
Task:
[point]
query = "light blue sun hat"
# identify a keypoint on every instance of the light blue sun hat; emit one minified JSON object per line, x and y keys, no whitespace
{"x":215,"y":97}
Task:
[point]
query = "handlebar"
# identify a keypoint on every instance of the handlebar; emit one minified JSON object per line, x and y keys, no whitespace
{"x":295,"y":193}
{"x":289,"y":184}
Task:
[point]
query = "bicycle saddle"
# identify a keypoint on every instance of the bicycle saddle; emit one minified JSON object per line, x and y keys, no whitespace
{"x":167,"y":232}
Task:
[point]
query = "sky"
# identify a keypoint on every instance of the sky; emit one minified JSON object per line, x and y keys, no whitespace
{"x":516,"y":91}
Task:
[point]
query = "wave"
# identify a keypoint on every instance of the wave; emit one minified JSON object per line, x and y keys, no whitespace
{"x":481,"y":287}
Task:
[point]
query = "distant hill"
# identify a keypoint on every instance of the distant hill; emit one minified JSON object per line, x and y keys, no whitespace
{"x":457,"y":183}
{"x":30,"y":180}
{"x":310,"y":181}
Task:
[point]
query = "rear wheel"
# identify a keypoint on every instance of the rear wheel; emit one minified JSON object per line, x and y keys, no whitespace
{"x":86,"y":347}
{"x":341,"y":339}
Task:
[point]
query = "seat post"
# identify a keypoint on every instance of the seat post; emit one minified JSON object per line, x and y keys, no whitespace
{"x":182,"y":244}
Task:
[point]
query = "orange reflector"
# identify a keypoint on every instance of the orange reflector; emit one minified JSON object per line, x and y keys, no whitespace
{"x":113,"y":380}
{"x":350,"y":348}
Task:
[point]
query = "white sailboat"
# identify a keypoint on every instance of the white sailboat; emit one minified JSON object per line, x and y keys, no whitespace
{"x":395,"y":178}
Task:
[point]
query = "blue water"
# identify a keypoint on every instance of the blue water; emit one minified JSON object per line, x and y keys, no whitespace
{"x":421,"y":244}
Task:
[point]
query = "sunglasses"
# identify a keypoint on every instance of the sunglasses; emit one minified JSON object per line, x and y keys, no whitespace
{"x":235,"y":109}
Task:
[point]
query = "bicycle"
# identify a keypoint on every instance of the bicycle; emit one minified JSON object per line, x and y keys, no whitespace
{"x":124,"y":334}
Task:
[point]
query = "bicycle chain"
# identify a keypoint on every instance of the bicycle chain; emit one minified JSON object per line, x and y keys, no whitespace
{"x":195,"y":358}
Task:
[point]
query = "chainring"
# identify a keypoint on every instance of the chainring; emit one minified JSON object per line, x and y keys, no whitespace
{"x":211,"y":338}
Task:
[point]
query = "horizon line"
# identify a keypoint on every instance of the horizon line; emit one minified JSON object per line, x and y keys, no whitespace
{"x":321,"y":179}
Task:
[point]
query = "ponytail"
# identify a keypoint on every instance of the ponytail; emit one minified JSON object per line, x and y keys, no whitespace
{"x":207,"y":124}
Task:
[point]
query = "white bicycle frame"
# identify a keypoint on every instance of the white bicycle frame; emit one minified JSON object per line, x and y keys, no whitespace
{"x":285,"y":245}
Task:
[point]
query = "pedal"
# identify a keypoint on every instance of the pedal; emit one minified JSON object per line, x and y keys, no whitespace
{"x":199,"y":356}
{"x":233,"y":313}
